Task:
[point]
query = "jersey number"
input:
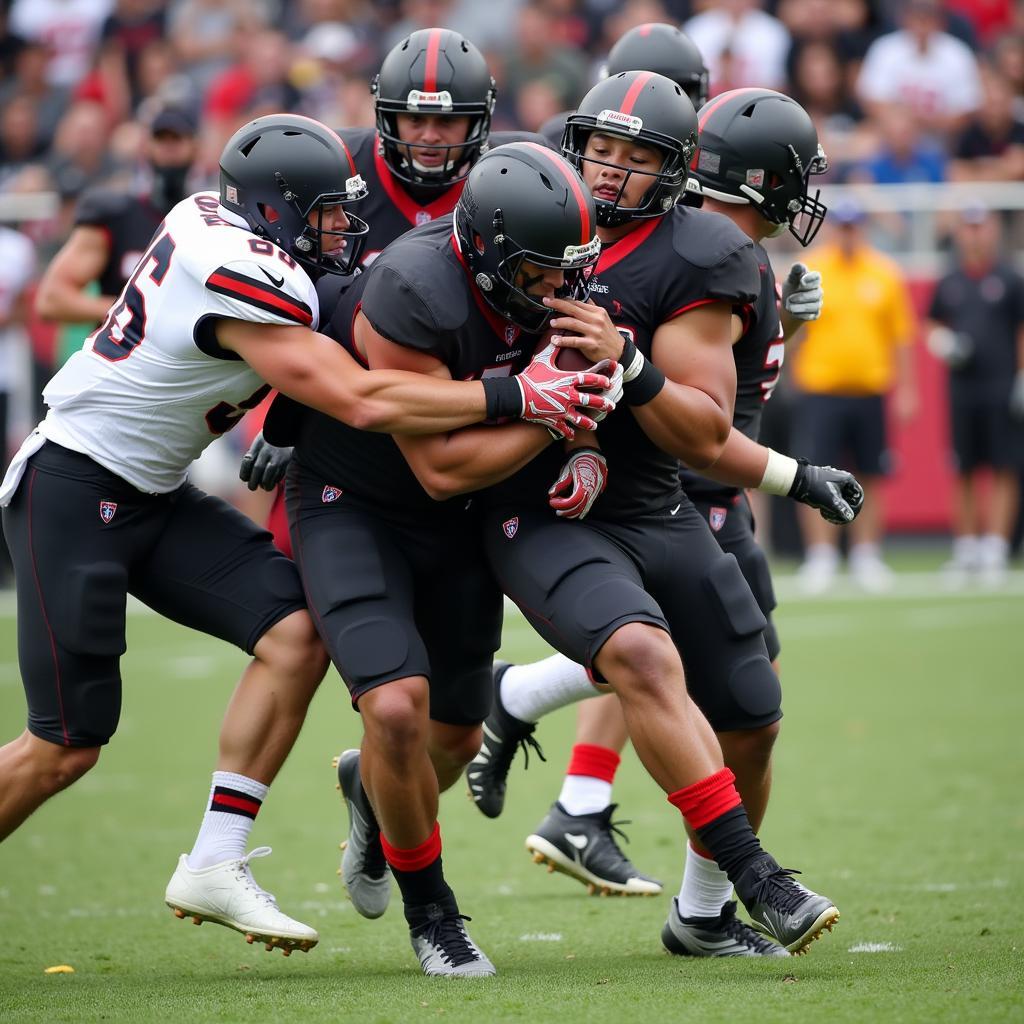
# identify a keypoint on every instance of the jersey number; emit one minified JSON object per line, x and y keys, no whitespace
{"x":223,"y":416}
{"x":125,"y":327}
{"x":776,"y":354}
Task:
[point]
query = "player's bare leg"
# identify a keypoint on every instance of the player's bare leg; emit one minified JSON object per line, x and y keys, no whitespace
{"x":399,"y":779}
{"x":451,"y":748}
{"x":682,"y":754}
{"x":31,"y":771}
{"x":266,"y":712}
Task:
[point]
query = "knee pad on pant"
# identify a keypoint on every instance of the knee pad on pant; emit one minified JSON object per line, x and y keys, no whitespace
{"x":613,"y":600}
{"x":732,"y":598}
{"x":759,"y":576}
{"x":369,"y":648}
{"x":755,"y":687}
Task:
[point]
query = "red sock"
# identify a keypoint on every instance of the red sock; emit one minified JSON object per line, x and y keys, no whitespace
{"x":708,"y":799}
{"x":593,"y":761}
{"x":419,"y":857}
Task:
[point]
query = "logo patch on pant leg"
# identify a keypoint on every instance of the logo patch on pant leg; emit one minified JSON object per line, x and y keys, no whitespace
{"x":330,"y":494}
{"x":716,"y":517}
{"x":511,"y":527}
{"x":107,"y":510}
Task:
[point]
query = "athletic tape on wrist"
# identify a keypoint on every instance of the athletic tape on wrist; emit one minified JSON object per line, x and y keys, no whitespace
{"x":645,"y":385}
{"x":505,"y":397}
{"x":779,"y":474}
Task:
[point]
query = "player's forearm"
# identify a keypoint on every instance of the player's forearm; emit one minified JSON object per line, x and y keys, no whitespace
{"x":469,"y":460}
{"x":687,"y":423}
{"x":790,"y":325}
{"x":742,"y":462}
{"x":68,"y":304}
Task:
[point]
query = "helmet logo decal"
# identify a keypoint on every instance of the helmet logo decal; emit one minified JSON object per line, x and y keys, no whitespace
{"x":708,"y":162}
{"x":355,"y":187}
{"x":755,"y":177}
{"x":575,"y":254}
{"x":617,"y":119}
{"x":417,"y":99}
{"x":231,"y":193}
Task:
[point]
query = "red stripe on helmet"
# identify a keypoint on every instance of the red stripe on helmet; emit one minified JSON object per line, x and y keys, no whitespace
{"x":430,"y":71}
{"x":634,"y":91}
{"x":573,"y":181}
{"x":331,"y":132}
{"x":709,"y":108}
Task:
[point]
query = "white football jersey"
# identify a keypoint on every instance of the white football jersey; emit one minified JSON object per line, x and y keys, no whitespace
{"x":151,"y":388}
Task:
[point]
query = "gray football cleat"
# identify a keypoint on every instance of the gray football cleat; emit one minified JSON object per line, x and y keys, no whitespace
{"x":725,"y":935}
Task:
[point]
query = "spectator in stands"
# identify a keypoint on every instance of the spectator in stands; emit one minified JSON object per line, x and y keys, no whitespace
{"x":69,"y":29}
{"x":29,"y":79}
{"x":904,"y":155}
{"x":922,"y":68}
{"x":205,"y":33}
{"x":80,"y":157}
{"x":752,"y":43}
{"x":847,"y":361}
{"x":991,"y":146}
{"x":976,"y":325}
{"x":536,"y":53}
{"x":21,"y":143}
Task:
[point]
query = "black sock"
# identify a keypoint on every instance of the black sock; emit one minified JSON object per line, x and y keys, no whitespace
{"x":734,"y":846}
{"x":422,"y":890}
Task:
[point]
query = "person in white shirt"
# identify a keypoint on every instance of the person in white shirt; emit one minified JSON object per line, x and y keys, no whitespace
{"x":921,"y":67}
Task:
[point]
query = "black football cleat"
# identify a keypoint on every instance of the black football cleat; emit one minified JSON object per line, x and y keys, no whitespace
{"x":504,"y":734}
{"x":781,"y":907}
{"x":725,"y":935}
{"x":583,"y":847}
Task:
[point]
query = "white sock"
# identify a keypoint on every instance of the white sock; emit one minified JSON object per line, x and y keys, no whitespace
{"x":583,"y":794}
{"x":224,"y":833}
{"x":866,"y":551}
{"x":706,"y":887}
{"x":994,"y":550}
{"x":532,"y":691}
{"x":966,"y":550}
{"x":824,"y":554}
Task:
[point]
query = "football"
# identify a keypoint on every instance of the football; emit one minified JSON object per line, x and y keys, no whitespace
{"x":565,"y":358}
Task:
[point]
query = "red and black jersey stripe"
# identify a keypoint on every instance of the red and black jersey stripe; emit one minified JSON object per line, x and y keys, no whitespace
{"x":259,"y":294}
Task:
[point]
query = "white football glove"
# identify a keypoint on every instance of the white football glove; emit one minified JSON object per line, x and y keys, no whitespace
{"x":802,"y":294}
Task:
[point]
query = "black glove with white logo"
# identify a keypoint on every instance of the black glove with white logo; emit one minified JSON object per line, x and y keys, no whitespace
{"x":263,"y":465}
{"x":835,"y":493}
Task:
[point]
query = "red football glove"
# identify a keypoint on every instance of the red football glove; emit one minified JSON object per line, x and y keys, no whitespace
{"x":554,"y":397}
{"x":583,"y":478}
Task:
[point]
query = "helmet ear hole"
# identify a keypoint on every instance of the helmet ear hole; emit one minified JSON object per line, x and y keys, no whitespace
{"x":270,"y":215}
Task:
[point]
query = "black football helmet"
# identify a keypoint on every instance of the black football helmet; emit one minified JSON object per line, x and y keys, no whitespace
{"x":665,"y":50}
{"x":433,"y":71}
{"x":648,"y":108}
{"x":761,"y":147}
{"x":524,"y":202}
{"x":276,"y":171}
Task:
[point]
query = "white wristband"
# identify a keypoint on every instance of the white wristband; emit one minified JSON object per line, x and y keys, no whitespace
{"x":779,"y":474}
{"x":635,"y":366}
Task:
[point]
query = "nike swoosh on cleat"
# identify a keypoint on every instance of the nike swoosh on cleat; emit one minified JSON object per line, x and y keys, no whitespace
{"x":580,"y":842}
{"x":277,"y":282}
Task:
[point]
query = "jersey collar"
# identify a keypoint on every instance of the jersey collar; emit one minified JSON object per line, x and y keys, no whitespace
{"x":405,"y":203}
{"x":620,"y":249}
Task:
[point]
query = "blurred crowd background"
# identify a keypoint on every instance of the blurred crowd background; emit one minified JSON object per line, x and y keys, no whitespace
{"x":919,"y":104}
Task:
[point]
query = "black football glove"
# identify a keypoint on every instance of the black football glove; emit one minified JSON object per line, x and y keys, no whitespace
{"x":263,"y":465}
{"x":833,"y":492}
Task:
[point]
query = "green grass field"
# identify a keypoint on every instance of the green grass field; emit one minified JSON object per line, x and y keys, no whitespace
{"x":898,"y":792}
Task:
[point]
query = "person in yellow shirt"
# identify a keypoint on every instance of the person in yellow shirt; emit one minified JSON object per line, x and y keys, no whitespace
{"x":849,"y":359}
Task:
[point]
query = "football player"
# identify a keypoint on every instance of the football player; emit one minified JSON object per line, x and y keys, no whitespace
{"x":390,"y":555}
{"x":672,"y":280}
{"x":97,"y":503}
{"x":433,"y":99}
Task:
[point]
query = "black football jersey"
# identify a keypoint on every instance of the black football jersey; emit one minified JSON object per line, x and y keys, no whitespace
{"x":663,"y":268}
{"x":130,"y":221}
{"x":759,"y":354}
{"x":391,"y":208}
{"x":418,"y":293}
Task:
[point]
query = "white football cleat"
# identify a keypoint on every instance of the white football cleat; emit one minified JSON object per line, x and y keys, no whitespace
{"x":227,"y":894}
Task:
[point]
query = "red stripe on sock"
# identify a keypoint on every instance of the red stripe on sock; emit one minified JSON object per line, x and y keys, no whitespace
{"x":223,"y":800}
{"x":416,"y":859}
{"x":593,"y":761}
{"x":707,"y":799}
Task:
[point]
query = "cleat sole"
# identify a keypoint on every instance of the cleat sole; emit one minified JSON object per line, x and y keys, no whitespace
{"x":282,"y":942}
{"x":826,"y":921}
{"x":544,"y":852}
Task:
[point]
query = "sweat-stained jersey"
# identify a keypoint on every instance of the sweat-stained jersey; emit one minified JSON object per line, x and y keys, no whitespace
{"x":666,"y":266}
{"x":390,"y":209}
{"x":151,"y":387}
{"x":419,"y":294}
{"x":759,"y":354}
{"x":129,"y":222}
